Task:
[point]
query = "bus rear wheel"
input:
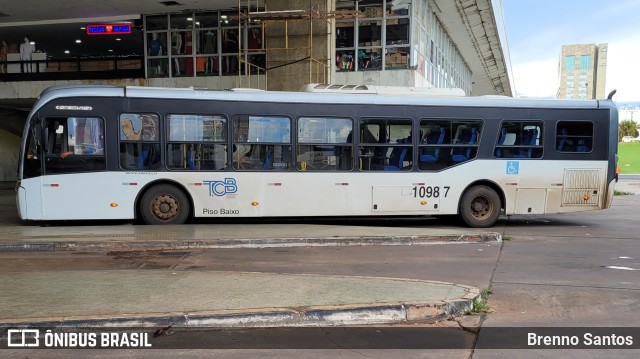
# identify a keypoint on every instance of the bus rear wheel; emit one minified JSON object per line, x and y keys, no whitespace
{"x":480,"y":207}
{"x":164,"y":204}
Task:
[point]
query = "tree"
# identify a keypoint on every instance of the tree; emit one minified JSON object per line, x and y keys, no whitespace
{"x":627,"y":128}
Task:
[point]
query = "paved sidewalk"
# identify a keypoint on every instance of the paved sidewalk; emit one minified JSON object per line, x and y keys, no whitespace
{"x":154,"y":298}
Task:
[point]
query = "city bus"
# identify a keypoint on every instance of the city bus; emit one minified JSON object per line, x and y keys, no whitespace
{"x":165,"y":155}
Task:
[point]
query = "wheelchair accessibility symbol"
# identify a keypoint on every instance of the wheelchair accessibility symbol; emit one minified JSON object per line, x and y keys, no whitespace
{"x":513,"y":167}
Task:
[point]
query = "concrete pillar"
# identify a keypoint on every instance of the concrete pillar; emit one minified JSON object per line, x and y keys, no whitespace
{"x":286,"y":51}
{"x":9,"y":152}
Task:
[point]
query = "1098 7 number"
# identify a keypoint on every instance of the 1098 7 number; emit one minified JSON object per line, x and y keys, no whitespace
{"x":429,"y":191}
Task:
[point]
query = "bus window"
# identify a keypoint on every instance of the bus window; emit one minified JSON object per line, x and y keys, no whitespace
{"x":574,"y":136}
{"x":261,"y":143}
{"x":139,"y":141}
{"x":325,"y":144}
{"x":196,"y":143}
{"x":519,"y":139}
{"x":74,"y":144}
{"x":385,"y":145}
{"x":445,"y":143}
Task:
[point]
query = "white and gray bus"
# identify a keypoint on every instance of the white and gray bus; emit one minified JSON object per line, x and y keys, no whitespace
{"x":164,"y":155}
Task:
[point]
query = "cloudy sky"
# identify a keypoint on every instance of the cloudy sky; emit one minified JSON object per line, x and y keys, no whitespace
{"x":536,"y":31}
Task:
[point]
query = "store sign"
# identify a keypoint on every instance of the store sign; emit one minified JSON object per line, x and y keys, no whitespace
{"x":109,"y":29}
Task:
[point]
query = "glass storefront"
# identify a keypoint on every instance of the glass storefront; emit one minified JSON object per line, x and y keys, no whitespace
{"x":201,"y":44}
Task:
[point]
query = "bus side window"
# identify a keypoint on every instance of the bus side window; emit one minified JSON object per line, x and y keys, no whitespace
{"x":263,"y":143}
{"x":139,"y":141}
{"x":519,"y":139}
{"x":324,"y":144}
{"x":196,"y":142}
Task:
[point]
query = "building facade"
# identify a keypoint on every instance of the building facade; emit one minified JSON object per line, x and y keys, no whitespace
{"x":583,"y":71}
{"x":278,"y":45}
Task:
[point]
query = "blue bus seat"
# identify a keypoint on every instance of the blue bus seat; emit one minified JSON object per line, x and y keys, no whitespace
{"x":433,"y":138}
{"x":400,"y":158}
{"x":503,"y":136}
{"x":563,"y":139}
{"x":142,"y":159}
{"x":461,"y":154}
{"x":529,"y":139}
{"x":190,"y":164}
{"x":582,"y":146}
{"x":268,"y":161}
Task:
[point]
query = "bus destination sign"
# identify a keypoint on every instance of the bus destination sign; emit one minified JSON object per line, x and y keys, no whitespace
{"x":108,"y":29}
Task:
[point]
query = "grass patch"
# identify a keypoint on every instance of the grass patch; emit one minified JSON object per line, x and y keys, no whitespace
{"x":621,"y":193}
{"x":629,"y":157}
{"x":482,"y":305}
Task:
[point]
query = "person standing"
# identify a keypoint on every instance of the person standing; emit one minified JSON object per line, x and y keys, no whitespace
{"x":155,"y":49}
{"x":4,"y":50}
{"x":188,"y":50}
{"x":26,"y":50}
{"x":176,"y":49}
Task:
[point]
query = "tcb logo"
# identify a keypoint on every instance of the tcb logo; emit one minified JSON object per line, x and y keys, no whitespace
{"x":23,"y":338}
{"x":221,"y":188}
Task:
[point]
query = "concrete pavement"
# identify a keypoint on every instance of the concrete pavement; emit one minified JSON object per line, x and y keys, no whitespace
{"x":156,"y":298}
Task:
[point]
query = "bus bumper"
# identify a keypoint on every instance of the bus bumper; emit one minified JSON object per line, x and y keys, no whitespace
{"x":611,"y":190}
{"x":21,"y":201}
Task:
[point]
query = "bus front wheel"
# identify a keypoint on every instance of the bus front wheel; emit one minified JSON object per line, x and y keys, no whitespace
{"x":480,"y":207}
{"x":164,"y":204}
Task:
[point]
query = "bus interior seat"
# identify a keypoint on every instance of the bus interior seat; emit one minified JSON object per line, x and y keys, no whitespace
{"x":583,"y":146}
{"x":435,"y":137}
{"x":144,"y":155}
{"x":189,"y":157}
{"x":268,"y":161}
{"x":461,"y":154}
{"x":563,"y":139}
{"x":400,"y":159}
{"x":509,"y":139}
{"x":506,"y":139}
{"x":529,"y":139}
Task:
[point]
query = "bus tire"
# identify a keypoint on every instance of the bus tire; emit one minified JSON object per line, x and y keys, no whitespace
{"x":164,"y":204}
{"x":480,"y":207}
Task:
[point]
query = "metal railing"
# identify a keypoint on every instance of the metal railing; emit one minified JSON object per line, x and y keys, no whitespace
{"x":73,"y":69}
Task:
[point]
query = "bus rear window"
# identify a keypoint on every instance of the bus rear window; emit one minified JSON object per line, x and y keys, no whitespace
{"x":574,"y":136}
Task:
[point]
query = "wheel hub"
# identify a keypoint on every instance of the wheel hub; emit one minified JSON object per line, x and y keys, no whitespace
{"x":480,"y":207}
{"x":165,"y":207}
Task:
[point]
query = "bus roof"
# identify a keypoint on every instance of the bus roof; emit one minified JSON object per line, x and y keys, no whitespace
{"x":307,"y":97}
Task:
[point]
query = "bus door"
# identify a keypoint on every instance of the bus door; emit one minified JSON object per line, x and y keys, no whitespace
{"x":408,"y":199}
{"x":29,"y":194}
{"x":74,"y":167}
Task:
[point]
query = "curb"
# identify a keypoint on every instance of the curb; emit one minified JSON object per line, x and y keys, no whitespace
{"x":132,"y":245}
{"x":275,"y":317}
